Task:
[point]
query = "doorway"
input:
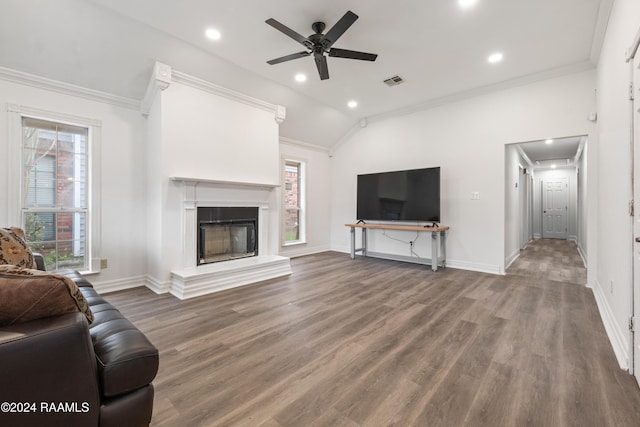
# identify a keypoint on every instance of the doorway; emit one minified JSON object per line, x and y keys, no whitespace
{"x":547,"y":197}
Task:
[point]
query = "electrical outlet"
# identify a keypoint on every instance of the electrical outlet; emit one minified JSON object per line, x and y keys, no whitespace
{"x":104,"y":263}
{"x":475,"y":195}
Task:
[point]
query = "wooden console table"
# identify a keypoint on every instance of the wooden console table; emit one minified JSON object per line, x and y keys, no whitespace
{"x":438,"y":241}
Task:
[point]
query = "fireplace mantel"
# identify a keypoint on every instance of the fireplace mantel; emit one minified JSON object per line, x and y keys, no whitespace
{"x":195,"y":181}
{"x":189,"y":279}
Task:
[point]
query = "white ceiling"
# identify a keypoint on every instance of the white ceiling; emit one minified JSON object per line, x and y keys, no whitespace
{"x":557,"y":152}
{"x":438,"y":48}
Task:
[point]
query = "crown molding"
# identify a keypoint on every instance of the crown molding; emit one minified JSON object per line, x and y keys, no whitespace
{"x":294,"y":142}
{"x":40,"y":82}
{"x":461,"y":96}
{"x":279,"y":111}
{"x":630,"y":54}
{"x":602,"y":22}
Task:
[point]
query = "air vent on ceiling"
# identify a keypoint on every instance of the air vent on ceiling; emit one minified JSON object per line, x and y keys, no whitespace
{"x":394,"y":81}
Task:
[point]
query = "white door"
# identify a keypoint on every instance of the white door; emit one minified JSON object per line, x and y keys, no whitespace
{"x":635,"y":339}
{"x":555,"y":208}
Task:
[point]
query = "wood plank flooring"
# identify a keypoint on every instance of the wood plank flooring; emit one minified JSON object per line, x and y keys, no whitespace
{"x":380,"y":343}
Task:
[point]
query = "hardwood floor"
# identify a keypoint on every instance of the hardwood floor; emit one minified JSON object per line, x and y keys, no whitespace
{"x":376,"y":343}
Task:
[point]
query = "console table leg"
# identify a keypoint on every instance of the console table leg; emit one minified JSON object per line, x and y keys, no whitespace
{"x":434,"y":251}
{"x":353,"y":243}
{"x":443,"y":248}
{"x":364,"y":242}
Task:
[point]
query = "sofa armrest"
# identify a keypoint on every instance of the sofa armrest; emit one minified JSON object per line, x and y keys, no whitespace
{"x":39,"y":260}
{"x":48,"y":367}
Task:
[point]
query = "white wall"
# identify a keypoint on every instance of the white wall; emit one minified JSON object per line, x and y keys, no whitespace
{"x":208,"y":136}
{"x":466,"y":139}
{"x":613,"y":283}
{"x":512,"y":198}
{"x":318,"y":198}
{"x":154,"y":175}
{"x":197,"y":134}
{"x":526,"y":205}
{"x":582,"y":173}
{"x":123,"y":185}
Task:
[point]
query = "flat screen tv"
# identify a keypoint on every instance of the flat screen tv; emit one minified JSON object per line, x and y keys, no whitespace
{"x":409,"y":195}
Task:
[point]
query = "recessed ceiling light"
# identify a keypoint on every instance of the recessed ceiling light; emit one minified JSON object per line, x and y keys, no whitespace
{"x":465,"y":4}
{"x":300,"y":77}
{"x":549,"y":141}
{"x":553,"y":166}
{"x":495,"y":57}
{"x":213,"y":34}
{"x":352,"y":104}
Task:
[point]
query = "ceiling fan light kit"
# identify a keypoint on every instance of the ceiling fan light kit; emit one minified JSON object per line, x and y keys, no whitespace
{"x":320,"y":45}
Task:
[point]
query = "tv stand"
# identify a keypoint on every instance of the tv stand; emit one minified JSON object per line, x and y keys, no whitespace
{"x":438,"y":241}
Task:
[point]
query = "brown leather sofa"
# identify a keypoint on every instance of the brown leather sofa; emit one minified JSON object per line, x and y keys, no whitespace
{"x":61,"y":371}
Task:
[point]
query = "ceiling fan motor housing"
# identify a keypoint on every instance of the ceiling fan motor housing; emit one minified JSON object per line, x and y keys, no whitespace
{"x":318,"y":27}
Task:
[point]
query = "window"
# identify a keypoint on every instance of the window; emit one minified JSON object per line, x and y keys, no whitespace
{"x":294,"y":202}
{"x":54,"y":191}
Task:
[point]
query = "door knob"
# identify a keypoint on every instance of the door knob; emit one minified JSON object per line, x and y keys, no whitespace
{"x":637,"y":239}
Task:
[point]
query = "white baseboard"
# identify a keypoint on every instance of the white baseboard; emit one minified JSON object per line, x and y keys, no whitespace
{"x":582,"y":255}
{"x":295,"y":251}
{"x":396,"y":257}
{"x":617,"y":336}
{"x":511,"y":258}
{"x":341,"y":249}
{"x":156,"y":285}
{"x":475,"y":266}
{"x":119,"y":284}
{"x":452,"y":263}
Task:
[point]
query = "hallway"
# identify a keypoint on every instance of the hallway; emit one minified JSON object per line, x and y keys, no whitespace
{"x":551,"y":259}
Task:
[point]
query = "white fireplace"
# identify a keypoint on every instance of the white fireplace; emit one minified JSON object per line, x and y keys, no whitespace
{"x":196,"y":278}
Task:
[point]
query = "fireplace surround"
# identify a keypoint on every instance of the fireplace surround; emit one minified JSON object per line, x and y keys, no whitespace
{"x":226,"y":233}
{"x":227,"y":204}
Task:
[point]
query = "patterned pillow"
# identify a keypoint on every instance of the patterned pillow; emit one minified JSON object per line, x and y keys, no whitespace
{"x":27,"y":294}
{"x":14,"y":249}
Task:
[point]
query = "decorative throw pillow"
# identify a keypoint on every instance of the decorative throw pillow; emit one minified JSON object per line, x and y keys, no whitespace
{"x":27,"y":294}
{"x":14,"y":249}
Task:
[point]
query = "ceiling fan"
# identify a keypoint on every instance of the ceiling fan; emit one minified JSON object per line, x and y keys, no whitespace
{"x":320,"y":44}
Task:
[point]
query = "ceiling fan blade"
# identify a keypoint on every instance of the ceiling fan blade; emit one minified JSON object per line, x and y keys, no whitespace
{"x":352,"y":54}
{"x":321,"y":63}
{"x":337,"y":30}
{"x":289,"y":57}
{"x":289,"y":32}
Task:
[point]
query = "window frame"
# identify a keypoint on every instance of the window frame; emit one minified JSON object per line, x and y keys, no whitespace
{"x":302,"y":202}
{"x":16,"y":213}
